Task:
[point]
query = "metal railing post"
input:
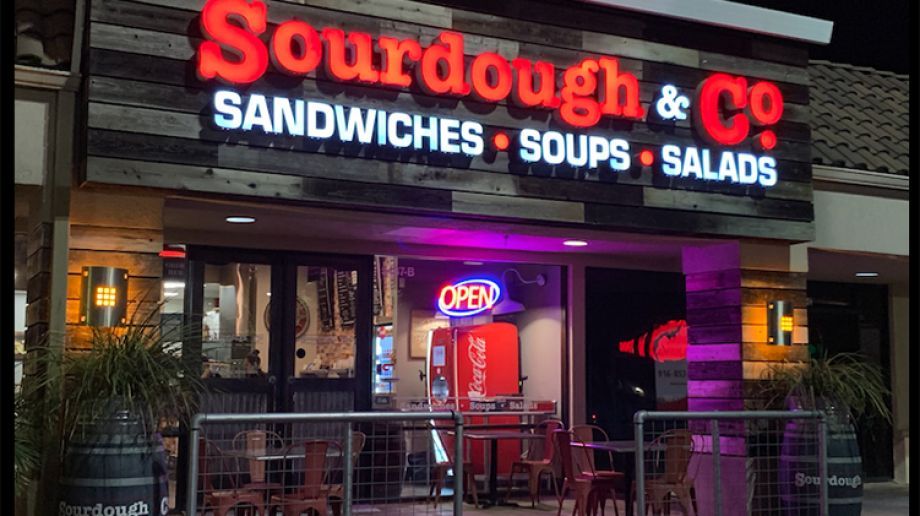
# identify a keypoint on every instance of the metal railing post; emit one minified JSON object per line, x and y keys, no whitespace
{"x":191,"y":496}
{"x":822,"y":463}
{"x":716,"y":468}
{"x":638,"y":422}
{"x":458,"y":464}
{"x":348,"y":473}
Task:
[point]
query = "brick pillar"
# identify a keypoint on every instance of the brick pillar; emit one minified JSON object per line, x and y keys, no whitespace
{"x":728,"y":286}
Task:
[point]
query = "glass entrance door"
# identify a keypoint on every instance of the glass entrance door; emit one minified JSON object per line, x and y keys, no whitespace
{"x":281,"y":331}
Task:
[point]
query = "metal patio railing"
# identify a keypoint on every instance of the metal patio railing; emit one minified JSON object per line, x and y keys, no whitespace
{"x":731,"y":463}
{"x":293,"y":462}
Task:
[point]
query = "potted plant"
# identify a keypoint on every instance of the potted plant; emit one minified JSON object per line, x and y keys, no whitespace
{"x":115,"y":399}
{"x":845,"y":387}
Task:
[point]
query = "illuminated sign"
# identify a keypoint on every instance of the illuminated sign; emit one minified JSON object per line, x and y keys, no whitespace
{"x":665,"y":343}
{"x":468,"y":297}
{"x":240,"y":48}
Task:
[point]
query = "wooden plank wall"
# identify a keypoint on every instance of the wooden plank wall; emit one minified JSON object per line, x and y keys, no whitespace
{"x":728,"y":352}
{"x":148,"y":119}
{"x":115,"y":229}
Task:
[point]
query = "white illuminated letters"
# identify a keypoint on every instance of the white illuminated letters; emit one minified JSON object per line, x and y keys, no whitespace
{"x":733,"y":167}
{"x":227,"y":113}
{"x":315,"y":110}
{"x":321,"y":121}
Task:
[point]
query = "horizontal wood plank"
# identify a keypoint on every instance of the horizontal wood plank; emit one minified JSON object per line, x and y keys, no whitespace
{"x":699,"y":223}
{"x":236,"y":182}
{"x":500,"y":206}
{"x":138,"y":264}
{"x":115,"y":238}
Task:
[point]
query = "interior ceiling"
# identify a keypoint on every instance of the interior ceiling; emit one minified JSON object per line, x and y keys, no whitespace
{"x":842,"y":266}
{"x":184,"y":215}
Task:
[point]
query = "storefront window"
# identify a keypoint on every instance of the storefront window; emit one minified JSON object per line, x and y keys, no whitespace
{"x":324,"y":328}
{"x":472,"y":330}
{"x":234,"y":322}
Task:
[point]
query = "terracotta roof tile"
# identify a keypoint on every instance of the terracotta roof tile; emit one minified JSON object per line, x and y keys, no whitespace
{"x":859,"y":117}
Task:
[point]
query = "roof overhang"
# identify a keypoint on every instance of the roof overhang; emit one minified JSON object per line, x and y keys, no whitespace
{"x":733,"y":16}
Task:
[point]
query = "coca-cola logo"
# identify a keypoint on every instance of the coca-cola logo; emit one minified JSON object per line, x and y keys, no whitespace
{"x":476,"y":351}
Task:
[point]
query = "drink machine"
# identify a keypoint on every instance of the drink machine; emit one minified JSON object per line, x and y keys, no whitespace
{"x":470,"y":363}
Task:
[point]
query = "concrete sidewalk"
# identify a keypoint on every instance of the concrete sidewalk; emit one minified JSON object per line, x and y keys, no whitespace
{"x":886,"y":499}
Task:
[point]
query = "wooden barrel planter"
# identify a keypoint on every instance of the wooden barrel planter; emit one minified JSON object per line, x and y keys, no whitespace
{"x":113,"y":468}
{"x":798,"y":470}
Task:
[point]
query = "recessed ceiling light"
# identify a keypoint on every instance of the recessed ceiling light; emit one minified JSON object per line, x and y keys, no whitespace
{"x":238,"y":219}
{"x":575,"y":243}
{"x":472,"y":263}
{"x":173,"y":284}
{"x":170,"y":294}
{"x":866,"y":274}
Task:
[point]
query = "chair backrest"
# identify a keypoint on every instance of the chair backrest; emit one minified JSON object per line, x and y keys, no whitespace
{"x":357,"y":446}
{"x":314,"y":465}
{"x":208,"y":452}
{"x":563,"y":440}
{"x":254,"y":443}
{"x":678,"y":450}
{"x":547,"y":428}
{"x":587,"y":433}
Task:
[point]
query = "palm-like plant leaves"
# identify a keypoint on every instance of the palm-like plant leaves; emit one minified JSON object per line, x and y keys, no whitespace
{"x":846,"y":377}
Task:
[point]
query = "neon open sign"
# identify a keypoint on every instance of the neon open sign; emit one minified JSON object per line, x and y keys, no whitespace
{"x":468,"y":297}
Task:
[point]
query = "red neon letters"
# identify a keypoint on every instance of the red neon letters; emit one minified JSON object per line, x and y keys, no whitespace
{"x":724,"y":110}
{"x":468,"y":297}
{"x":235,"y":54}
{"x":762,"y":105}
{"x":283,"y":51}
{"x":252,"y":60}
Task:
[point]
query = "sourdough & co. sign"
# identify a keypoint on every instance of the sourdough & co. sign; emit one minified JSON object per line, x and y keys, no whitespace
{"x":560,"y":113}
{"x":726,"y":110}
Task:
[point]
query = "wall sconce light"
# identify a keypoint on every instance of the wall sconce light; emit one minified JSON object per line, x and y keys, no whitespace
{"x":104,"y":296}
{"x":779,"y":323}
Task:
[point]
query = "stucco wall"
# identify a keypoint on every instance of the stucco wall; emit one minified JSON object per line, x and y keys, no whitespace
{"x":852,"y":222}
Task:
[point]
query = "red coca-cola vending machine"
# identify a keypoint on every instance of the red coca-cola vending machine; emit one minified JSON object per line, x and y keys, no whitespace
{"x":471,"y":363}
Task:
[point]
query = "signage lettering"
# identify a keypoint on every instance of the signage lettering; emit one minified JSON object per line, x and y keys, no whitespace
{"x":589,"y":89}
{"x":726,"y":110}
{"x":468,"y":297}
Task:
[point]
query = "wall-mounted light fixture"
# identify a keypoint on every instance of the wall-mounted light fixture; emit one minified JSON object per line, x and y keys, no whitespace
{"x":779,"y":323}
{"x":104,"y":296}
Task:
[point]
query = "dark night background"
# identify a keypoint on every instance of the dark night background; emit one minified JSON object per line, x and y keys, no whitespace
{"x":872,"y":33}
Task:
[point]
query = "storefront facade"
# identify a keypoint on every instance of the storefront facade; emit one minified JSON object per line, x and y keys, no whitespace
{"x":389,"y":153}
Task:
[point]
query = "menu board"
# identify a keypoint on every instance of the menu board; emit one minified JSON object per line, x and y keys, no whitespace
{"x":378,"y":286}
{"x":345,"y":290}
{"x":325,"y":301}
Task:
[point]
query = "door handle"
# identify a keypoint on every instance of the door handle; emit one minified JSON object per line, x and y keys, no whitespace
{"x":272,"y":380}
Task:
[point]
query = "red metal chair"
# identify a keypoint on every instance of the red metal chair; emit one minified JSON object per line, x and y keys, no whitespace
{"x":537,"y":461}
{"x":676,"y":481}
{"x":589,"y":487}
{"x":252,"y":443}
{"x":440,"y":469}
{"x":585,"y":457}
{"x":335,"y":492}
{"x":221,"y":501}
{"x":310,"y":495}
